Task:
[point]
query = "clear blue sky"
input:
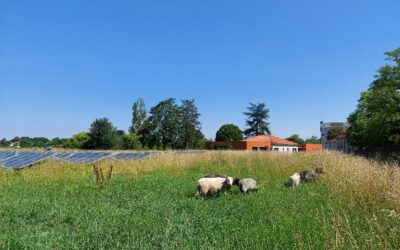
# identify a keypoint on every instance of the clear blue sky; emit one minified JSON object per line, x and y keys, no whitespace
{"x":65,"y":63}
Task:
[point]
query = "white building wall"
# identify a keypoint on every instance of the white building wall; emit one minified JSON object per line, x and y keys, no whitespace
{"x":285,"y":149}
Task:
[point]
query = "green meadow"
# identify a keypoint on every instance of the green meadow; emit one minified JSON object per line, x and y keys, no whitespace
{"x":151,"y":204}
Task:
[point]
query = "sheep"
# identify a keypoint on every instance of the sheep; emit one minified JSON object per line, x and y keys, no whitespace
{"x":311,"y":175}
{"x":231,"y":179}
{"x":206,"y":186}
{"x":247,"y":185}
{"x":294,"y":180}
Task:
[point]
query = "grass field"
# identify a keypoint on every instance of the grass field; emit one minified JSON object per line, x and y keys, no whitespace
{"x":150,"y":204}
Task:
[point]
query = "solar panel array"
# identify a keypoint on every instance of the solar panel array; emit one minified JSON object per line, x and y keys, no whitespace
{"x":23,"y":159}
{"x":131,"y":156}
{"x":20,"y":159}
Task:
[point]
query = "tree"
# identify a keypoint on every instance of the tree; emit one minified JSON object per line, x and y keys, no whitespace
{"x":161,"y":129}
{"x":131,"y":141}
{"x":313,"y":140}
{"x":229,"y":133}
{"x":376,"y":120}
{"x":295,"y":138}
{"x":139,"y":116}
{"x":172,"y":126}
{"x":79,"y":140}
{"x":4,"y":142}
{"x":336,"y":132}
{"x":190,"y":135}
{"x":257,"y":117}
{"x":102,"y":135}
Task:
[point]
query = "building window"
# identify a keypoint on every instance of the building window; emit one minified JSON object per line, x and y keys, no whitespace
{"x":276,"y":149}
{"x":259,"y":148}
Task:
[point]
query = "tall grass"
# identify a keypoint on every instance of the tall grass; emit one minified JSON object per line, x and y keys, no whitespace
{"x":150,"y":203}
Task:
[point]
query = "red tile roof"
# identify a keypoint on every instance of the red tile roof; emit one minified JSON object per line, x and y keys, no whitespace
{"x":270,"y":138}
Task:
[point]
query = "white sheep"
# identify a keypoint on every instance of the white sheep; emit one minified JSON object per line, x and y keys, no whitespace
{"x":230,"y":179}
{"x":247,"y":185}
{"x":294,"y":180}
{"x":206,"y":186}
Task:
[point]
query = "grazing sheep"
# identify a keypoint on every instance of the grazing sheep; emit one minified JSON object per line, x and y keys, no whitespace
{"x":206,"y":186}
{"x":247,"y":185}
{"x":294,"y":180}
{"x":310,"y":175}
{"x":231,"y":179}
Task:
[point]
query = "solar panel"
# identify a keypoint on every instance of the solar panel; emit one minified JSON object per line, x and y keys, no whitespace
{"x":63,"y":155}
{"x":24,"y":159}
{"x":20,"y":159}
{"x":7,"y":154}
{"x":131,"y":156}
{"x":87,"y":157}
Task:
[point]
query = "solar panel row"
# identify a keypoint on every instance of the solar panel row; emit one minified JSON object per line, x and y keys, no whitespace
{"x":21,"y":159}
{"x":131,"y":156}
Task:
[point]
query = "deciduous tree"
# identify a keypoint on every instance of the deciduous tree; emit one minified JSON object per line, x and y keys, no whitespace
{"x":229,"y":133}
{"x":376,"y":120}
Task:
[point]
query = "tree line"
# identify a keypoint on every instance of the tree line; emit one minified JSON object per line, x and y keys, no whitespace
{"x":168,"y":125}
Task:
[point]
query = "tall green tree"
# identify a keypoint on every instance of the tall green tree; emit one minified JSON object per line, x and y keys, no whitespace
{"x":138,"y":116}
{"x":190,"y":136}
{"x":229,"y":133}
{"x":257,"y":116}
{"x":102,"y":135}
{"x":376,"y":120}
{"x":295,"y":138}
{"x":161,"y":129}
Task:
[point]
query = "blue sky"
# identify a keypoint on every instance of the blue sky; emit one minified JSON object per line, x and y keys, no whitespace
{"x":65,"y":63}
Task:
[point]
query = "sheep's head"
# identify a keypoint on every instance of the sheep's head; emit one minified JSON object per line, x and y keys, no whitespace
{"x":236,"y":181}
{"x":303,"y":174}
{"x":319,"y":170}
{"x":230,"y":180}
{"x":226,"y":185}
{"x":296,"y":175}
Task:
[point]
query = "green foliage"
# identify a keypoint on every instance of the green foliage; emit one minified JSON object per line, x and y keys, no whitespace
{"x":4,"y":142}
{"x":375,"y":122}
{"x":190,"y":136}
{"x":102,"y":135}
{"x":138,"y":116}
{"x":336,"y":132}
{"x":229,"y":133}
{"x":57,"y":142}
{"x":28,"y":142}
{"x":257,"y":117}
{"x":313,"y":140}
{"x":131,"y":141}
{"x":79,"y":140}
{"x":295,"y":138}
{"x":170,"y":126}
{"x":161,"y":129}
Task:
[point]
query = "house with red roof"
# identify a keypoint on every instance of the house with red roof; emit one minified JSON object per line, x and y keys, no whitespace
{"x":257,"y":143}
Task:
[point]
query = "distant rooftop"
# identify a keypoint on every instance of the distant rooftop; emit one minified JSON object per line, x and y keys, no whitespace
{"x":273,"y":139}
